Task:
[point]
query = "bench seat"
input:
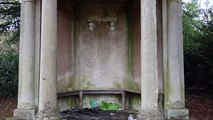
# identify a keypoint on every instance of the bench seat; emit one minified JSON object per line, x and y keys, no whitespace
{"x":124,"y":94}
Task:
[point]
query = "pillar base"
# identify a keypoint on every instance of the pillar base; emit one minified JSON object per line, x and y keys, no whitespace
{"x":24,"y":114}
{"x":177,"y":113}
{"x":49,"y":116}
{"x":150,"y":115}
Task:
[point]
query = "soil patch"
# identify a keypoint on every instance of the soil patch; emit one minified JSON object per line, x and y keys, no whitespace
{"x":7,"y":105}
{"x":200,"y":107}
{"x":94,"y":114}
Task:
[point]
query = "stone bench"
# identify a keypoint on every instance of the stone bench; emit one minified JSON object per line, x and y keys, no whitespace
{"x":124,"y":94}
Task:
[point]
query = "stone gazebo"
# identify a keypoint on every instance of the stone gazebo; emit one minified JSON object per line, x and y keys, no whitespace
{"x":125,"y":51}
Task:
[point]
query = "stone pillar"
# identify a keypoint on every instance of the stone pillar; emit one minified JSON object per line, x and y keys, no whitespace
{"x":149,"y":69}
{"x":174,"y":86}
{"x":48,"y":89}
{"x":26,"y":103}
{"x":37,"y":48}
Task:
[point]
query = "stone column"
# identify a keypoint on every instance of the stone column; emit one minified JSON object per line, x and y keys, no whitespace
{"x":48,"y":89}
{"x":37,"y":48}
{"x":175,"y":100}
{"x":149,"y":69}
{"x":26,"y":103}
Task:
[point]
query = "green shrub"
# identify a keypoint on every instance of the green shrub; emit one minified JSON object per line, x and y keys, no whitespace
{"x":108,"y":106}
{"x":197,"y":70}
{"x":8,"y":73}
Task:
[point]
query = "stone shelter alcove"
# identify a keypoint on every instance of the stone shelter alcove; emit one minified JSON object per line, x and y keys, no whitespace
{"x":77,"y":52}
{"x":104,"y":57}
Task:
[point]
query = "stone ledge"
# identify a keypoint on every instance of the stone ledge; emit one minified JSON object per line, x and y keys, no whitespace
{"x":47,"y":116}
{"x":24,"y":114}
{"x":177,"y":114}
{"x":150,"y":115}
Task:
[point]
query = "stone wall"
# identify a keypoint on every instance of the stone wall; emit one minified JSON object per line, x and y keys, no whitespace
{"x":99,"y":59}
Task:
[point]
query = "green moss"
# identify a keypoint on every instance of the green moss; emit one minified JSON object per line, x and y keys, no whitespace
{"x":130,"y":84}
{"x":82,"y":82}
{"x":66,"y":103}
{"x":130,"y":42}
{"x":71,"y":103}
{"x":72,"y":83}
{"x":135,"y":102}
{"x":117,"y":85}
{"x":166,"y":89}
{"x":126,"y":84}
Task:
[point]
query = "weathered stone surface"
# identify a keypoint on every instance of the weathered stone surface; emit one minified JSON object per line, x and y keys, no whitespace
{"x":27,"y":54}
{"x":175,"y":84}
{"x":150,"y":115}
{"x":10,"y":118}
{"x":177,"y":114}
{"x":101,"y":59}
{"x":26,"y":93}
{"x":21,"y":114}
{"x":149,"y":70}
{"x":178,"y":105}
{"x":48,"y":89}
{"x":47,"y":116}
{"x":102,"y":54}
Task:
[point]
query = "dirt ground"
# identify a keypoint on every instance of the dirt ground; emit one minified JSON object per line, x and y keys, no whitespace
{"x":7,"y":105}
{"x":200,"y":106}
{"x":94,"y":114}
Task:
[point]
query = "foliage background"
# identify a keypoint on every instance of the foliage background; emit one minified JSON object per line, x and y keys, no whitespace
{"x":198,"y":45}
{"x":9,"y":42}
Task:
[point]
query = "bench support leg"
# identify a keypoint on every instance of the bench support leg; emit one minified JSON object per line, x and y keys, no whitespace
{"x":123,"y":100}
{"x":81,"y":99}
